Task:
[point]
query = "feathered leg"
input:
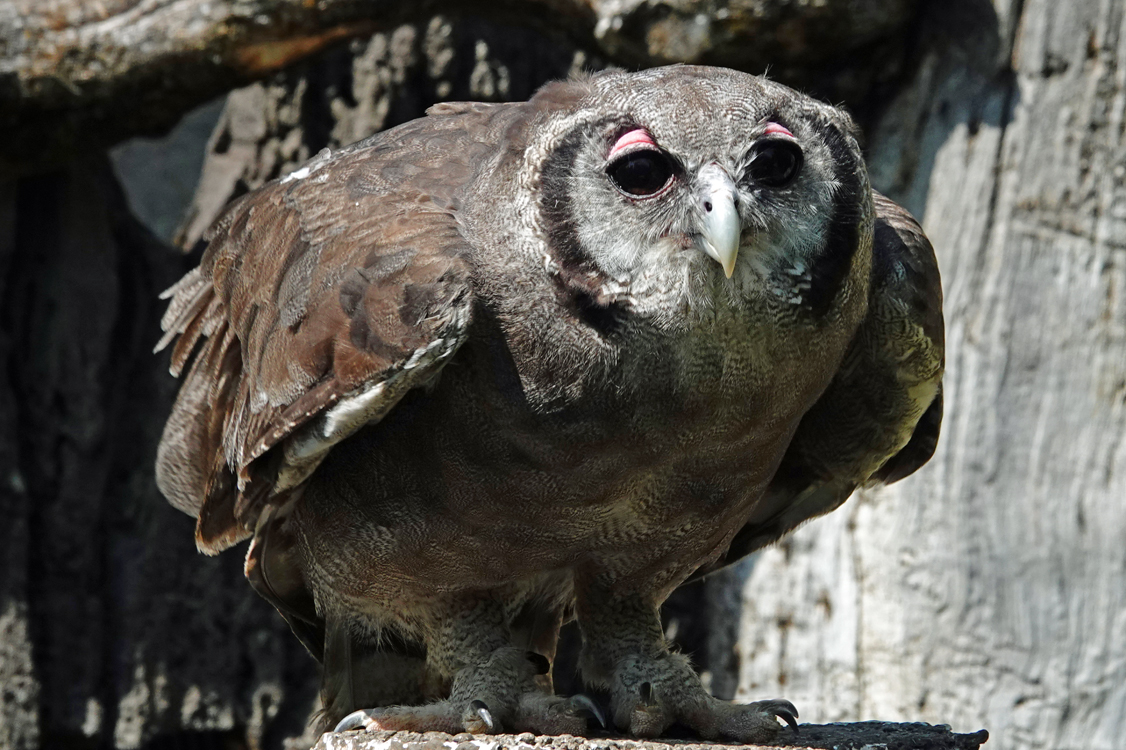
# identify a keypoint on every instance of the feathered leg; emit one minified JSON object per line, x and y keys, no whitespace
{"x":495,"y":686}
{"x":650,"y":687}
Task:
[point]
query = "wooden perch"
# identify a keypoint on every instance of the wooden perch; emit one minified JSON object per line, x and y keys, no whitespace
{"x":844,"y":736}
{"x":77,"y":75}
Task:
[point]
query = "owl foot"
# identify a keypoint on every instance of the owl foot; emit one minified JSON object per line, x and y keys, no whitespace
{"x":649,"y":695}
{"x":499,"y":695}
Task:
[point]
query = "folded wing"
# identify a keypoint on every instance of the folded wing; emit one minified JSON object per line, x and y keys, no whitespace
{"x":321,"y":299}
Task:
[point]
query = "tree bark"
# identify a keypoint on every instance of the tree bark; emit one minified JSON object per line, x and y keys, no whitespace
{"x":115,"y":629}
{"x":70,"y":68}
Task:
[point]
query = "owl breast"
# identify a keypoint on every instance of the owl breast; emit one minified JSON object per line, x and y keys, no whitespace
{"x":471,"y":485}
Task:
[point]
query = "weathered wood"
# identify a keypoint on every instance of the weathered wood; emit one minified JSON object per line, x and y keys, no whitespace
{"x":77,"y":75}
{"x":114,"y":629}
{"x":19,"y":684}
{"x":270,"y":128}
{"x":987,"y":589}
{"x":866,"y":735}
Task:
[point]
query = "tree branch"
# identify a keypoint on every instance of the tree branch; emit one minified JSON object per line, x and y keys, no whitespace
{"x":83,"y":74}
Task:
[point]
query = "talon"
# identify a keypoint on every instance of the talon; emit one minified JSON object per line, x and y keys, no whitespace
{"x":787,"y":712}
{"x":645,"y":693}
{"x":540,"y":662}
{"x":479,"y":708}
{"x":354,"y":720}
{"x":588,"y":708}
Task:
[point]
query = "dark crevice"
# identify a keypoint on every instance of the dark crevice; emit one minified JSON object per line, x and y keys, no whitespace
{"x":134,"y":328}
{"x":36,"y":231}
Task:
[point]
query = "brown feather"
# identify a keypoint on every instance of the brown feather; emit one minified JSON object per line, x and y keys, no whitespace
{"x":300,"y":313}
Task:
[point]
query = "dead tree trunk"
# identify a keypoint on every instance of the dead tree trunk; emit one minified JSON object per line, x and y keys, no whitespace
{"x":114,"y":629}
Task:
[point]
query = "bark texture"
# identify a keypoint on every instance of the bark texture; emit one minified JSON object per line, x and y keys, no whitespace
{"x":987,"y":589}
{"x":69,"y":68}
{"x":270,"y":128}
{"x":115,"y":629}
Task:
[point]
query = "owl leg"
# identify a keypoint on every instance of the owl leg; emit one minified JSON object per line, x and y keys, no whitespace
{"x":494,"y":687}
{"x":624,"y":650}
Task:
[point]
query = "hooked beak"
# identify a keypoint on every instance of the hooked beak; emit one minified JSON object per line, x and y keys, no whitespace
{"x":720,"y":227}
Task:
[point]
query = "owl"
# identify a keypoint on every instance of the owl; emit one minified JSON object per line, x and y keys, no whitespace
{"x":510,"y":365}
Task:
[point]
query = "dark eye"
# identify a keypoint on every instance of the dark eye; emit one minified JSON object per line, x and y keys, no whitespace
{"x":775,"y":163}
{"x":641,"y":173}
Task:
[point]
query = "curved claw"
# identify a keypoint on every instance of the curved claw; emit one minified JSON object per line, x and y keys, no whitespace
{"x":786,"y":711}
{"x":586,"y":705}
{"x":354,"y":720}
{"x":482,"y":710}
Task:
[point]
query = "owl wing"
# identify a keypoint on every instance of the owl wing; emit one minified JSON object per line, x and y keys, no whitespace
{"x":879,"y":419}
{"x":908,"y":270}
{"x":321,"y":299}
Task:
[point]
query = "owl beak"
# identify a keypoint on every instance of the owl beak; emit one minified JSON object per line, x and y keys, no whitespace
{"x":720,"y":226}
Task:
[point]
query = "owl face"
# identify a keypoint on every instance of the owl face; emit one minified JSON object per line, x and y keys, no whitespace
{"x":694,"y":185}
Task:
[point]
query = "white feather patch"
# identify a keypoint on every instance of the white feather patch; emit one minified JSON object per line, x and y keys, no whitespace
{"x":297,"y":174}
{"x":313,"y":165}
{"x":350,"y":414}
{"x":305,"y":449}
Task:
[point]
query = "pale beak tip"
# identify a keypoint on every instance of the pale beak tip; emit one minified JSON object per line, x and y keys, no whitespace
{"x":720,"y":227}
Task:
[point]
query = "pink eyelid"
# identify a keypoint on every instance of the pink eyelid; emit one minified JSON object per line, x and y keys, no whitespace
{"x":632,"y":138}
{"x":641,"y":136}
{"x":773,"y":128}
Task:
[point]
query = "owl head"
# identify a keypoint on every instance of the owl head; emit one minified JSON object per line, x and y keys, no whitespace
{"x":689,"y":186}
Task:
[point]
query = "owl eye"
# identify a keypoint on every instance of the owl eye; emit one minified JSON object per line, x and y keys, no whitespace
{"x":640,"y":173}
{"x":775,"y":163}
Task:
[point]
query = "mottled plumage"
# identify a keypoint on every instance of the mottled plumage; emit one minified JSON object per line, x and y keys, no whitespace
{"x":511,"y":364}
